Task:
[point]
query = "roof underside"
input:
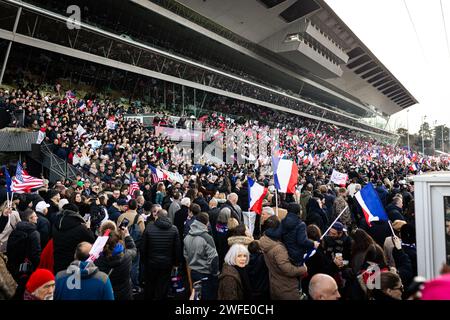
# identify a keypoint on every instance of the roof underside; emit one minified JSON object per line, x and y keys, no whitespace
{"x":364,"y":76}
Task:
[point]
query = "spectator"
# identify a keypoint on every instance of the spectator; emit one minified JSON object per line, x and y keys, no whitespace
{"x":323,"y":287}
{"x":40,"y":285}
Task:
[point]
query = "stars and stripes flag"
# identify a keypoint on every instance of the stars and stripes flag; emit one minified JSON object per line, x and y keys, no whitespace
{"x":23,"y":183}
{"x":134,"y":186}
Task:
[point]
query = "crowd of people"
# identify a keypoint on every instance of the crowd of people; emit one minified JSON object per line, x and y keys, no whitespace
{"x":191,"y":239}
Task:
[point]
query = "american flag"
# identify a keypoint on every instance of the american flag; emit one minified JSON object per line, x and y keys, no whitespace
{"x":134,"y":186}
{"x":23,"y":183}
{"x":157,"y":174}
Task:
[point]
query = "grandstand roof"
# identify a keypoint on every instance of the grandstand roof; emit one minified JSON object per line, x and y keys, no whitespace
{"x":363,"y":76}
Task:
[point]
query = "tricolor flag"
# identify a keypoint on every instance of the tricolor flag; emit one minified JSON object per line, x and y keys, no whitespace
{"x":285,"y":174}
{"x":80,"y":130}
{"x":157,"y":174}
{"x":41,"y":136}
{"x":371,"y":204}
{"x":111,"y":123}
{"x":134,"y":164}
{"x":256,"y":194}
{"x":173,"y":176}
{"x":413,"y":167}
{"x":23,"y":183}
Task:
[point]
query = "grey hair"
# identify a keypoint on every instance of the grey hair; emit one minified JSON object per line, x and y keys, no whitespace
{"x":224,"y":215}
{"x":234,"y":251}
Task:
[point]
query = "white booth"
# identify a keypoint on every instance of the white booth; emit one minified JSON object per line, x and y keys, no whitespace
{"x":432,"y":210}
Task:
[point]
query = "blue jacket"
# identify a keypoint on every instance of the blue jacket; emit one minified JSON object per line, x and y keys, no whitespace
{"x":295,"y":238}
{"x":93,"y":285}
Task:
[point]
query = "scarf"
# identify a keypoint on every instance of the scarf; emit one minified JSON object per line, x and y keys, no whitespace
{"x":246,"y":284}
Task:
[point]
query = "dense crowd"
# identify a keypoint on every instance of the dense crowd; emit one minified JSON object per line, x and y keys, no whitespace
{"x":191,"y":239}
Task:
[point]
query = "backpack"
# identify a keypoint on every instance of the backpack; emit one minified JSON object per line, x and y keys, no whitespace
{"x":135,"y":232}
{"x":19,"y":244}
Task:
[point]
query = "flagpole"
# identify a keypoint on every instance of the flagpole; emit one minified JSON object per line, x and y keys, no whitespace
{"x":390,"y":225}
{"x":276,"y":200}
{"x":7,"y":199}
{"x":331,"y":226}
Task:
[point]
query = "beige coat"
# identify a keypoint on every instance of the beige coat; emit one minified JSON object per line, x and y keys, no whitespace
{"x":14,"y":219}
{"x":130,"y":215}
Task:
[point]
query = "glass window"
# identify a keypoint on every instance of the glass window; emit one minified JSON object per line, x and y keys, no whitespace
{"x":447,"y":227}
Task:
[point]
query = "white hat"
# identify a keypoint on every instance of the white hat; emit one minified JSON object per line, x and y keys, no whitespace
{"x":62,"y":203}
{"x":41,"y":205}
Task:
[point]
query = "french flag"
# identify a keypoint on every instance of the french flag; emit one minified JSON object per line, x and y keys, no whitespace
{"x":371,"y":204}
{"x":256,"y":194}
{"x":134,"y":164}
{"x":157,"y":174}
{"x":413,"y":167}
{"x":285,"y":174}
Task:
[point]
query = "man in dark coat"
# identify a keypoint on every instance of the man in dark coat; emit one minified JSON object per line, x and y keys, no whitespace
{"x":43,"y":225}
{"x":181,"y":215}
{"x":394,"y":209}
{"x":161,"y":251}
{"x":53,"y":198}
{"x":69,"y":230}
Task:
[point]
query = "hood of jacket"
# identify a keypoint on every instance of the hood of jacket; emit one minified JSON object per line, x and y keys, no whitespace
{"x":244,"y":240}
{"x":69,"y":220}
{"x":290,"y":222}
{"x":198,"y":228}
{"x":163,"y":223}
{"x":266,"y":244}
{"x":26,"y":226}
{"x":87,"y":268}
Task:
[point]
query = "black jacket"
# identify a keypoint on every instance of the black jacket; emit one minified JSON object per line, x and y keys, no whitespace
{"x":213,"y":215}
{"x":259,"y":276}
{"x":180,"y":218}
{"x":202,"y":203}
{"x":119,"y":268}
{"x":243,"y":197}
{"x":114,"y":213}
{"x":294,"y":238}
{"x":161,"y":247}
{"x":19,"y":250}
{"x":68,"y":231}
{"x":52,"y":212}
{"x":394,"y":213}
{"x":379,"y":231}
{"x":44,"y":228}
{"x":316,"y":215}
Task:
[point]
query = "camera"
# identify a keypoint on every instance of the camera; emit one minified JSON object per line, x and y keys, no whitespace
{"x":125,"y":222}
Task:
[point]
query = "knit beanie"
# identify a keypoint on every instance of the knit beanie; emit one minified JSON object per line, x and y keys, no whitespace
{"x":437,"y":289}
{"x":38,"y":278}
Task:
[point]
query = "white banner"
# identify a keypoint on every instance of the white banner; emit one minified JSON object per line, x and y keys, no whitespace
{"x":80,"y":130}
{"x":339,"y":178}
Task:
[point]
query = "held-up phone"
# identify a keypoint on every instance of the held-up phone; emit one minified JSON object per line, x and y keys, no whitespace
{"x":124,"y":223}
{"x":87,"y":217}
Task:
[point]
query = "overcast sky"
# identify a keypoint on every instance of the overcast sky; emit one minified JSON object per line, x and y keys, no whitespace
{"x":421,"y":63}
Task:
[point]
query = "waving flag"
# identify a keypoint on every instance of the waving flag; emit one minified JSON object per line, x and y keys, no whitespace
{"x":157,"y":174}
{"x":285,"y":174}
{"x":173,"y":176}
{"x":256,"y":194}
{"x":134,"y":164}
{"x":134,"y":186}
{"x":23,"y":183}
{"x":8,"y":179}
{"x":413,"y":167}
{"x":371,"y":204}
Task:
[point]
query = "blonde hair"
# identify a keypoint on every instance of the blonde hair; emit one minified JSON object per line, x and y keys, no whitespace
{"x":232,"y":223}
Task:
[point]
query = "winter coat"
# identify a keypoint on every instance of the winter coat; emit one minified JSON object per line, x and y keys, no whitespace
{"x":283,"y":274}
{"x":213,"y":214}
{"x":180,"y":218}
{"x":379,"y":230}
{"x":220,"y":236}
{"x":118,"y":268}
{"x":68,"y":231}
{"x":230,"y":284}
{"x":394,"y":213}
{"x":202,"y":203}
{"x":295,"y":238}
{"x":44,"y":228}
{"x":304,"y":199}
{"x":173,"y":208}
{"x":259,"y":276}
{"x":200,"y":251}
{"x":346,"y":218}
{"x":32,"y":247}
{"x":243,"y":197}
{"x":114,"y":213}
{"x":342,"y":245}
{"x":236,"y":211}
{"x":7,"y":283}
{"x":318,"y":263}
{"x":159,"y":197}
{"x":52,"y":213}
{"x":329,"y":201}
{"x":316,"y":216}
{"x":11,"y":221}
{"x":161,"y":246}
{"x":93,"y":285}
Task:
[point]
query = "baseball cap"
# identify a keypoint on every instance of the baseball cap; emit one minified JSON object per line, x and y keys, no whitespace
{"x":41,"y":205}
